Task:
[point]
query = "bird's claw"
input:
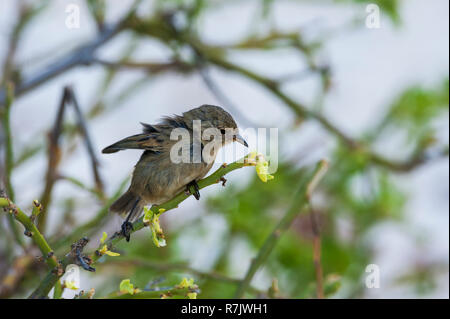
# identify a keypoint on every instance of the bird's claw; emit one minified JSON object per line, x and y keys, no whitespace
{"x":196,"y":191}
{"x":127,"y":227}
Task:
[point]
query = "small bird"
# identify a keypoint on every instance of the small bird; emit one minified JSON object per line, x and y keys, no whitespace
{"x":157,"y":177}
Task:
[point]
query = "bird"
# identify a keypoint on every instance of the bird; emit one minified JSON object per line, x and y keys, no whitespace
{"x":159,"y":175}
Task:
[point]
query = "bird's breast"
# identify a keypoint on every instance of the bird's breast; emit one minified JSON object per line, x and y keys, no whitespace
{"x":159,"y":179}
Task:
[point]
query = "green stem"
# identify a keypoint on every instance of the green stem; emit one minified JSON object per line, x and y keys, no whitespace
{"x":9,"y":154}
{"x":183,"y":267}
{"x":170,"y":293}
{"x":57,"y":293}
{"x":299,"y":202}
{"x":32,"y":231}
{"x":9,"y":159}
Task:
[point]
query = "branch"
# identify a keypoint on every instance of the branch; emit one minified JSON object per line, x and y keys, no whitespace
{"x":9,"y":155}
{"x":222,"y":98}
{"x":49,"y":281}
{"x":155,"y":293}
{"x":9,"y":158}
{"x":153,"y":68}
{"x":299,"y":202}
{"x":54,"y":152}
{"x":31,"y":231}
{"x":215,"y":54}
{"x":87,"y":140}
{"x":406,"y":166}
{"x":317,"y":244}
{"x":140,"y":262}
{"x":273,"y":40}
{"x":80,"y":56}
{"x":8,"y":64}
{"x":54,"y":156}
{"x":302,"y":112}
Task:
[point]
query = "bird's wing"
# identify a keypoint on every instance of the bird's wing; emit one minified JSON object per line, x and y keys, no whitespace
{"x":151,"y":142}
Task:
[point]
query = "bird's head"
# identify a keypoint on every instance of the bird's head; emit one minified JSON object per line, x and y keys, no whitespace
{"x":214,"y":118}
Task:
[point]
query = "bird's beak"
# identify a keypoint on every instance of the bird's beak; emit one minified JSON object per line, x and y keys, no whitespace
{"x":238,"y":138}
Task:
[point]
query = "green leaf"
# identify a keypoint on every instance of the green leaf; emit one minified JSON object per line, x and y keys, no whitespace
{"x":126,"y":287}
{"x":104,"y":236}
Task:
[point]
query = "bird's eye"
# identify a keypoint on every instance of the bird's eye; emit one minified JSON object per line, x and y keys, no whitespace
{"x":222,"y":131}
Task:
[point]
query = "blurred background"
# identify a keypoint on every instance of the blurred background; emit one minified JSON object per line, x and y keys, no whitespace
{"x":361,"y":84}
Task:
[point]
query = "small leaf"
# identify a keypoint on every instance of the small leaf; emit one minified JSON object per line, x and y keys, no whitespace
{"x":157,"y":233}
{"x":262,"y":168}
{"x":333,"y":283}
{"x":104,"y":236}
{"x":126,"y":287}
{"x":148,"y":215}
{"x":71,"y":285}
{"x":186,"y":283}
{"x":192,"y":295}
{"x":111,"y":253}
{"x":252,"y":155}
{"x":104,"y":251}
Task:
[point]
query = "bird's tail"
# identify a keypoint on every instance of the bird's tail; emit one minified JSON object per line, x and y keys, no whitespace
{"x":128,"y":203}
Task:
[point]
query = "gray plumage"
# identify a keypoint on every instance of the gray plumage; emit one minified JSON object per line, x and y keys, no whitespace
{"x":156,"y":179}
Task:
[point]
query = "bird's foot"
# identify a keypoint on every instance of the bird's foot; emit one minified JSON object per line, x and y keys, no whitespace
{"x":127,"y":227}
{"x":195,"y":192}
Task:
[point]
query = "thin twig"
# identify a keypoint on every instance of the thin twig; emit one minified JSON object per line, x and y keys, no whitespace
{"x":8,"y":64}
{"x":54,"y":156}
{"x":222,"y":98}
{"x":317,"y":253}
{"x":9,"y":160}
{"x":300,"y":110}
{"x":9,"y":154}
{"x":80,"y":56}
{"x":151,"y":67}
{"x":82,"y":125}
{"x":54,"y":152}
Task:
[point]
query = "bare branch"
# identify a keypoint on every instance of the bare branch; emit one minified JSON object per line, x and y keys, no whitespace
{"x":87,"y":140}
{"x":83,"y":55}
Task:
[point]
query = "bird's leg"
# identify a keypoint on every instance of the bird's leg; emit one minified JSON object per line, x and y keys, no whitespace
{"x":127,"y":226}
{"x":196,"y":191}
{"x":223,"y":180}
